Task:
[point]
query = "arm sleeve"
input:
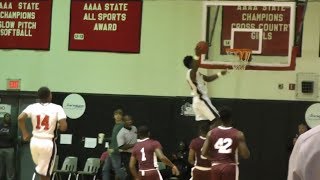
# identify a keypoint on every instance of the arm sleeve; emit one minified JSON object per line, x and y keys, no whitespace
{"x":157,"y":145}
{"x":134,"y":152}
{"x":191,"y":146}
{"x":293,"y":170}
{"x":61,"y":113}
{"x":28,"y":111}
{"x":309,"y":160}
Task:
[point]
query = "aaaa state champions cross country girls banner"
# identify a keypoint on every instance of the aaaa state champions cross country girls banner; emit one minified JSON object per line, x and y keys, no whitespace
{"x":104,"y":25}
{"x":25,"y":24}
{"x":273,"y":20}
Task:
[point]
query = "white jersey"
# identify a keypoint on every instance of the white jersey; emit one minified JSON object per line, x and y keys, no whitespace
{"x":126,"y":136}
{"x":201,"y":104}
{"x":44,"y":117}
{"x":199,"y":88}
{"x":304,"y":161}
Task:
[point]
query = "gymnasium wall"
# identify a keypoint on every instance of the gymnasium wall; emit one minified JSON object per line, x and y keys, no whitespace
{"x":169,"y":31}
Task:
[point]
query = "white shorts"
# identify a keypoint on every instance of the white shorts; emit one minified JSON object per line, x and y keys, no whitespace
{"x":203,"y":109}
{"x":43,"y":153}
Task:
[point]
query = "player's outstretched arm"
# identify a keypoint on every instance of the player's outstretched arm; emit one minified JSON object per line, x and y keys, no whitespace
{"x":22,"y":126}
{"x":242,"y":146}
{"x":166,"y":161}
{"x":191,"y":157}
{"x":132,"y":167}
{"x":205,"y":147}
{"x":63,"y":125}
{"x":214,"y":76}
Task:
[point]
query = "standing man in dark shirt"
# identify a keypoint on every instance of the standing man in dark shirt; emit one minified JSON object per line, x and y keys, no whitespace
{"x":7,"y":143}
{"x":114,"y":159}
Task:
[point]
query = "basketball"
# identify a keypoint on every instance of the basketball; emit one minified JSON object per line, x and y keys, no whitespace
{"x":202,"y":47}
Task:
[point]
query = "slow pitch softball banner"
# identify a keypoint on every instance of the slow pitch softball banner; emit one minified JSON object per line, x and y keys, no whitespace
{"x":274,"y":22}
{"x":105,"y":25}
{"x":25,"y":24}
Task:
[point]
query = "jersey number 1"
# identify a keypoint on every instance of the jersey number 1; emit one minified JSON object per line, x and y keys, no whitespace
{"x":42,"y":122}
{"x":143,"y":155}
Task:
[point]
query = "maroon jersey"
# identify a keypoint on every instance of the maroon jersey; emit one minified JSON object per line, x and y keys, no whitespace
{"x":224,"y":144}
{"x":196,"y":144}
{"x":144,"y":152}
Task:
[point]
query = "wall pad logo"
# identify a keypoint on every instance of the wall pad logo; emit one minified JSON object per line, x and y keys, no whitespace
{"x":187,"y":110}
{"x":74,"y":106}
{"x":312,"y":115}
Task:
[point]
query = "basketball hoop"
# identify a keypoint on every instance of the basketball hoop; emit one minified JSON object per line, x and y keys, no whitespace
{"x":244,"y":58}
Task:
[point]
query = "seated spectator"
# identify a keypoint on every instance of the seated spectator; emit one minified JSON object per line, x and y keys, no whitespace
{"x":180,"y":159}
{"x":302,"y":128}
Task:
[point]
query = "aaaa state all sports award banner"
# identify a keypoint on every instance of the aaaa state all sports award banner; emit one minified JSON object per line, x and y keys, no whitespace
{"x":25,"y":24}
{"x":104,"y":25}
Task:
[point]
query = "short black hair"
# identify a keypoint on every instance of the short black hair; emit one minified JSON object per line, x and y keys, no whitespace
{"x":225,"y":114}
{"x":187,"y":61}
{"x":143,"y":131}
{"x":128,"y":116}
{"x":204,"y":128}
{"x":304,"y":124}
{"x":118,"y":111}
{"x":44,"y":93}
{"x":7,"y":115}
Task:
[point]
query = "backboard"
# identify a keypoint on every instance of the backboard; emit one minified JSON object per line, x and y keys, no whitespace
{"x":268,"y":28}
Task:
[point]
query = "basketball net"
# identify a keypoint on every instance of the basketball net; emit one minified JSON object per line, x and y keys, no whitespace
{"x":244,"y":58}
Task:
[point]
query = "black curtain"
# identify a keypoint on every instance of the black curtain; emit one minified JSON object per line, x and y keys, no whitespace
{"x":269,"y":126}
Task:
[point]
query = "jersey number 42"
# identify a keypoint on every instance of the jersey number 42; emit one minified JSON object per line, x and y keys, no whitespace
{"x":223,"y":145}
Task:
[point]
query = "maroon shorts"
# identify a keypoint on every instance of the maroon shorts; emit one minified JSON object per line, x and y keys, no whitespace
{"x":224,"y":172}
{"x":150,"y":175}
{"x":198,"y":174}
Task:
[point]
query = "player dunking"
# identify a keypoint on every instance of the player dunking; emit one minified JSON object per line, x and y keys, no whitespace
{"x":202,"y":165}
{"x":201,"y":104}
{"x":45,"y":117}
{"x":222,"y":146}
{"x":146,"y":152}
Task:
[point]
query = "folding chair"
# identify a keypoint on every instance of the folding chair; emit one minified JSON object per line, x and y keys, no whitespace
{"x":90,"y":168}
{"x":69,"y":166}
{"x":56,"y":162}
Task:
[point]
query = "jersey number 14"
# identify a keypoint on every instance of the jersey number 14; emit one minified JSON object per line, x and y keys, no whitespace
{"x":42,"y":122}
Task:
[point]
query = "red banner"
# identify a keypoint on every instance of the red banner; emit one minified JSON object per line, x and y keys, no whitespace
{"x":113,"y":26}
{"x":274,"y":22}
{"x":25,"y":24}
